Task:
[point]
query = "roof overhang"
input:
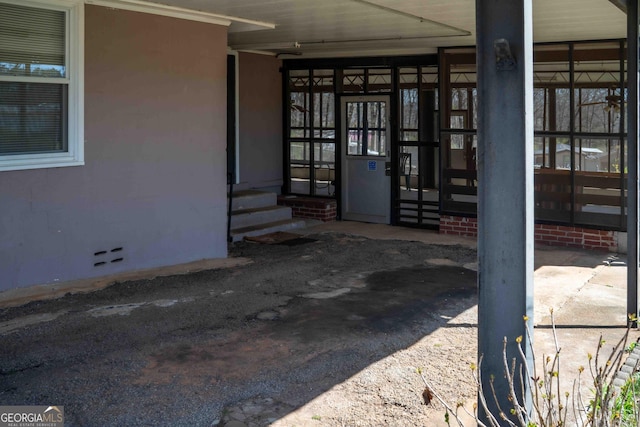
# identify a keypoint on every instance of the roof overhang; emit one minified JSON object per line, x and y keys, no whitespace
{"x":235,"y":24}
{"x":350,"y":28}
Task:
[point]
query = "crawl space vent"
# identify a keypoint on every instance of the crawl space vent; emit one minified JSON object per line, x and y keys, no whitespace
{"x":111,"y":256}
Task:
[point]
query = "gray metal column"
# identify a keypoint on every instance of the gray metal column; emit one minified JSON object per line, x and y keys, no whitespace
{"x":632,"y":171}
{"x":505,"y":183}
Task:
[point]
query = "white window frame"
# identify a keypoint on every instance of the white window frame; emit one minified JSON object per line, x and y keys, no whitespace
{"x":74,"y":57}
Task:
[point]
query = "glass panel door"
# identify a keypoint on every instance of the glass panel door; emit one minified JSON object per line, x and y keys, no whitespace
{"x":366,"y":183}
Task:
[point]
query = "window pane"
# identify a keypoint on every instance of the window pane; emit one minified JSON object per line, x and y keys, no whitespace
{"x":299,"y":168}
{"x":563,"y":110}
{"x":409,"y":136}
{"x":540,"y":153}
{"x":552,"y":152}
{"x":325,"y":167}
{"x":430,"y":76}
{"x":299,"y":109}
{"x":598,"y":182}
{"x":323,"y":104}
{"x":408,"y":77}
{"x":300,"y":152}
{"x":32,"y":41}
{"x":299,"y":103}
{"x":379,"y":81}
{"x":409,"y":104}
{"x":540,"y":109}
{"x":598,"y":155}
{"x":552,"y":194}
{"x":409,"y":163}
{"x":377,"y":121}
{"x":597,"y":110}
{"x":32,"y":118}
{"x":324,"y":115}
{"x":353,"y":81}
{"x":409,"y":109}
{"x":355,"y":126}
{"x":459,"y":99}
{"x":458,"y":120}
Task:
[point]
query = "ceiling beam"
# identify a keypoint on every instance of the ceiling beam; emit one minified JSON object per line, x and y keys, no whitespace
{"x":460,"y":31}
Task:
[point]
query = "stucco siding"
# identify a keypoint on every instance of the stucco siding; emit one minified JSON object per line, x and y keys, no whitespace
{"x":154,"y":178}
{"x":260,"y":121}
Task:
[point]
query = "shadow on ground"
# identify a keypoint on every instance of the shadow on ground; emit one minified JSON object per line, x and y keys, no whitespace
{"x":179,"y":350}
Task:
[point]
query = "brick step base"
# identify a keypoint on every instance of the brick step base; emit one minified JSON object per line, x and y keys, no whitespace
{"x":310,"y":207}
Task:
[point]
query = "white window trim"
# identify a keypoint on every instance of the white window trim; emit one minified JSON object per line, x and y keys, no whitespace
{"x":74,"y":156}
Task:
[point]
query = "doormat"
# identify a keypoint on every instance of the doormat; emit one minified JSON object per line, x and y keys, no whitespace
{"x":280,"y":238}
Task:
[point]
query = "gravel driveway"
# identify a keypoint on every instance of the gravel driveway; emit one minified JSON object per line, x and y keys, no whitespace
{"x":340,"y":322}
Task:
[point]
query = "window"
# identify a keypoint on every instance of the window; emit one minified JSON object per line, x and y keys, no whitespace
{"x":41,"y":87}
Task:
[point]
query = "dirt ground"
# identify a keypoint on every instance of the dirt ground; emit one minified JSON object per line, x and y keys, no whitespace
{"x":326,"y":333}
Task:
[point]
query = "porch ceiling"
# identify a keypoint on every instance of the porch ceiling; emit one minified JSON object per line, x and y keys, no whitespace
{"x":315,"y":28}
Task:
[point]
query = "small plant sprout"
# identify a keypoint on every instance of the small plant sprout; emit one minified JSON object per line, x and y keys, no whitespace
{"x":606,"y":405}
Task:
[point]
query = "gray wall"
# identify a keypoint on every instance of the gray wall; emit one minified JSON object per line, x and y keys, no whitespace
{"x":260,"y":121}
{"x":154,"y":182}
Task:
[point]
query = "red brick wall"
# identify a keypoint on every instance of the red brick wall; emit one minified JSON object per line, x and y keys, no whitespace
{"x":556,"y":235}
{"x":310,"y":208}
{"x":575,"y":237}
{"x":458,"y":225}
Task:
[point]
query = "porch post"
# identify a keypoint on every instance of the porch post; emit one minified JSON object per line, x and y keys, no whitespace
{"x":505,"y":186}
{"x":632,"y":171}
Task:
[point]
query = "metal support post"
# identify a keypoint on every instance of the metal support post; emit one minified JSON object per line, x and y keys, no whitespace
{"x":505,"y":186}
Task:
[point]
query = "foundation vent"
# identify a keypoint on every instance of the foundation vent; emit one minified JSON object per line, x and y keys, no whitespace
{"x":110,"y":256}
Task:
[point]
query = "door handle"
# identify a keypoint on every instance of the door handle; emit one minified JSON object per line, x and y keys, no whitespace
{"x":387,"y":168}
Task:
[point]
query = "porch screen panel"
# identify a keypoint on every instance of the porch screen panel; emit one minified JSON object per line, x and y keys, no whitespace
{"x":33,"y":80}
{"x":300,"y":120}
{"x":324,"y":133}
{"x":409,"y":104}
{"x":300,"y":156}
{"x":408,"y":205}
{"x":598,"y":184}
{"x":299,"y":131}
{"x":325,"y":168}
{"x":312,"y":132}
{"x":579,"y":133}
{"x":552,"y":127}
{"x":598,"y":154}
{"x":418,"y":171}
{"x":458,"y":135}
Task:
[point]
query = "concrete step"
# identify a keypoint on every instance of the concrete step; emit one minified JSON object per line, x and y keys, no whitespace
{"x":256,"y":216}
{"x":272,"y":227}
{"x":252,"y":199}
